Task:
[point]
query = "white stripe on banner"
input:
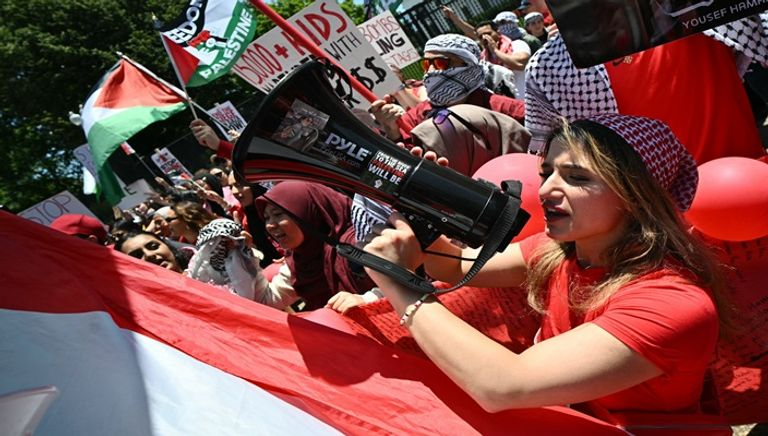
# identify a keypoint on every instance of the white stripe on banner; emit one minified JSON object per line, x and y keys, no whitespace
{"x":118,"y":382}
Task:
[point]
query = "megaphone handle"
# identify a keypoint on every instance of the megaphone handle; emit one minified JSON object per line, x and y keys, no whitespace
{"x":397,"y":272}
{"x":425,"y":232}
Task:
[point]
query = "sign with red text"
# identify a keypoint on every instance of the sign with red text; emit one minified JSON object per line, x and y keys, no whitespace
{"x":170,"y":166}
{"x":60,"y":204}
{"x":229,"y":120}
{"x":276,"y":53}
{"x":384,"y":33}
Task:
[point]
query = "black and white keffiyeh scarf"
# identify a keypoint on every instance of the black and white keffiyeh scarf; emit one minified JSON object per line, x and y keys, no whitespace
{"x":557,"y":90}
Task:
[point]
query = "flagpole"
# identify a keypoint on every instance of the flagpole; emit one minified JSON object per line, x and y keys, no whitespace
{"x":176,"y":70}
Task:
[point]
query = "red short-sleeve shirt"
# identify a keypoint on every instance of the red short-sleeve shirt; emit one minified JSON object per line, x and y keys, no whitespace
{"x":662,"y":316}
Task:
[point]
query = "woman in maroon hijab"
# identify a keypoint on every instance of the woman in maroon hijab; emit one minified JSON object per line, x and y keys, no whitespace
{"x":317,"y":272}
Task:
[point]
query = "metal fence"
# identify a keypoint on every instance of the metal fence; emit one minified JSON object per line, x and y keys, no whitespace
{"x":426,"y":20}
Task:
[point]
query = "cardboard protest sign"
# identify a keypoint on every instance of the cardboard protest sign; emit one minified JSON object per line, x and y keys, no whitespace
{"x":276,"y":53}
{"x":51,"y":208}
{"x":384,"y":33}
{"x":229,"y":119}
{"x":598,"y":31}
{"x":170,"y":166}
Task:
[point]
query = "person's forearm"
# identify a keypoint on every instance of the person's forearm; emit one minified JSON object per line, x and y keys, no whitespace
{"x":469,"y":358}
{"x":514,"y":61}
{"x":443,"y":268}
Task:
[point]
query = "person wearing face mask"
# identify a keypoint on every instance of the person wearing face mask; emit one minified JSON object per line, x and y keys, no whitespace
{"x":453,"y":75}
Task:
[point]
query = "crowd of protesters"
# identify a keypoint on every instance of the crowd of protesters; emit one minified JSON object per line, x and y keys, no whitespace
{"x":615,"y":269}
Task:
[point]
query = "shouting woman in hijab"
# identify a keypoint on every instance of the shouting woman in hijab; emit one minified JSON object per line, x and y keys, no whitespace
{"x":296,"y":214}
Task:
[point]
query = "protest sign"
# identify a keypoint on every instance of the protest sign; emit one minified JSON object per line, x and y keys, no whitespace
{"x":136,"y":193}
{"x":170,"y":166}
{"x":276,"y":53}
{"x":84,"y":156}
{"x":384,"y":33}
{"x":229,"y":119}
{"x":598,"y":31}
{"x":60,"y":204}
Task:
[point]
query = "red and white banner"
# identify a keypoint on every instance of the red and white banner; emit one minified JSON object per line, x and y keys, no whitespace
{"x":136,"y":349}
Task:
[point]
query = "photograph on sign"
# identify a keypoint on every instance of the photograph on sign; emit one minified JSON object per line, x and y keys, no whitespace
{"x":599,"y":31}
{"x":301,"y":126}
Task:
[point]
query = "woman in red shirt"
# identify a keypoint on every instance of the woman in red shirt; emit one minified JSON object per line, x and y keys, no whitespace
{"x":630,"y":298}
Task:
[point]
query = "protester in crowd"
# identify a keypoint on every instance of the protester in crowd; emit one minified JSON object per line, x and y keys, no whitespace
{"x":252,"y":220}
{"x":211,"y":194}
{"x":150,"y":248}
{"x":453,"y":76}
{"x":296,"y":214}
{"x":82,"y":226}
{"x":508,"y":25}
{"x":500,"y":50}
{"x":225,"y":257}
{"x":159,"y":224}
{"x":186,"y":218}
{"x":706,"y":88}
{"x":528,"y":6}
{"x":222,"y":175}
{"x":507,"y":22}
{"x":534,"y":25}
{"x":616,"y":272}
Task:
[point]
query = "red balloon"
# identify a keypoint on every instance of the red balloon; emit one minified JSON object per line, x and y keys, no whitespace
{"x":525,"y":168}
{"x":731,"y":201}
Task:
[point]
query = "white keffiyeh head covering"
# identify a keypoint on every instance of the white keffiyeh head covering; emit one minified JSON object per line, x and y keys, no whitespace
{"x":452,"y":85}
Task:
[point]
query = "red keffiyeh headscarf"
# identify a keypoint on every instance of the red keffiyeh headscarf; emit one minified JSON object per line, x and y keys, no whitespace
{"x":668,"y":161}
{"x":318,"y":271}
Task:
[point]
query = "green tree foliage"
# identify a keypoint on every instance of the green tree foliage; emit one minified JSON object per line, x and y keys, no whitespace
{"x":51,"y":55}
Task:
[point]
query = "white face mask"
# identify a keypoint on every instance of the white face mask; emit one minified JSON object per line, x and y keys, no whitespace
{"x":453,"y":85}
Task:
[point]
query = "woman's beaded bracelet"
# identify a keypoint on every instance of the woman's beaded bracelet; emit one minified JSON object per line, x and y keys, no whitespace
{"x":410,"y":310}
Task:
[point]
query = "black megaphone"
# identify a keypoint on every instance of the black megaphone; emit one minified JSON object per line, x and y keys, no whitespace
{"x":303,"y":131}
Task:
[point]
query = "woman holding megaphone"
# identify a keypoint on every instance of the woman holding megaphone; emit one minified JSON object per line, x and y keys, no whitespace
{"x":631,"y":301}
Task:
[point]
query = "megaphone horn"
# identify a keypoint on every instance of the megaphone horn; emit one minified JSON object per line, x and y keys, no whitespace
{"x":303,"y":131}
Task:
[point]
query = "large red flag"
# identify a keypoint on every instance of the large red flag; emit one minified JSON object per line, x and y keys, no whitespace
{"x":134,"y":348}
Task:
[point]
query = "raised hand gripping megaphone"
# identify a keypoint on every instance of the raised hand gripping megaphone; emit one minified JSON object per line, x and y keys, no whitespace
{"x":302,"y":130}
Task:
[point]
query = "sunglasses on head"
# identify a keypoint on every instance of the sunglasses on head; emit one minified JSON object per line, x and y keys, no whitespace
{"x":440,"y":63}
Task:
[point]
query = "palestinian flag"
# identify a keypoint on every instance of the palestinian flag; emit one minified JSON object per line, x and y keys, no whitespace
{"x":124,"y":102}
{"x":215,"y":32}
{"x":133,"y":348}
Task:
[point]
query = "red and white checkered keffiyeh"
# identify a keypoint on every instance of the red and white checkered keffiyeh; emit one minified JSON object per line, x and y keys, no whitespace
{"x":668,"y":161}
